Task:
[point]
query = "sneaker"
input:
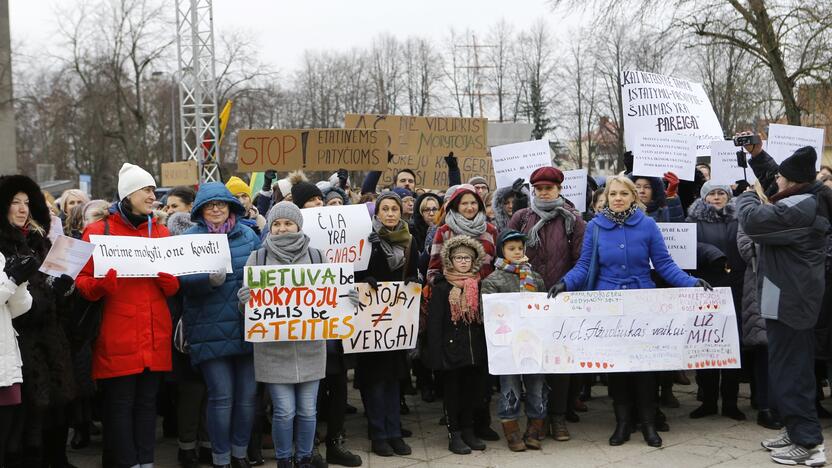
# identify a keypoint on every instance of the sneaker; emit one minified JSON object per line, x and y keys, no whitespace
{"x":777,"y":443}
{"x":799,"y":455}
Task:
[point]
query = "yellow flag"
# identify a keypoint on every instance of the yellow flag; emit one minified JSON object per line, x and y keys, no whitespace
{"x":224,"y":115}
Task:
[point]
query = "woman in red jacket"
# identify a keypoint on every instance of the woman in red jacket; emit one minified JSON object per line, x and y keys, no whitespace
{"x":133,"y":347}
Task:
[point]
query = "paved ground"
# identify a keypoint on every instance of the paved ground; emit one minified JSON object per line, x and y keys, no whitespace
{"x":713,"y":441}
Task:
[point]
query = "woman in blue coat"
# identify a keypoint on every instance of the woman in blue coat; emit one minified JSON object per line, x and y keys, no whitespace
{"x":214,"y":327}
{"x":628,"y":240}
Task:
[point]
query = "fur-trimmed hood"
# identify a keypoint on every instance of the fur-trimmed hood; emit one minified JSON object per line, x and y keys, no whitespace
{"x":501,"y":218}
{"x":10,"y":186}
{"x":702,"y":211}
{"x":449,"y":245}
{"x":179,"y":222}
{"x":659,"y":197}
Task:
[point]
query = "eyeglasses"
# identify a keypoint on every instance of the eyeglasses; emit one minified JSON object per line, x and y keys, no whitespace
{"x":462,"y":258}
{"x":220,"y":205}
{"x":430,"y":210}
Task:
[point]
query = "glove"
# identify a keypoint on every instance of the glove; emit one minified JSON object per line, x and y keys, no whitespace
{"x":216,"y":278}
{"x":451,"y":161}
{"x":389,"y":157}
{"x":628,"y":162}
{"x":168,"y":283}
{"x":244,"y":294}
{"x":672,"y":184}
{"x":353,"y":297}
{"x":374,"y":238}
{"x":741,"y":186}
{"x":268,"y":177}
{"x":20,"y":268}
{"x":372,"y":282}
{"x":62,"y":285}
{"x":556,"y":289}
{"x":343,"y":175}
{"x":517,"y":186}
{"x":412,"y":279}
{"x":700,"y":283}
{"x":108,"y":284}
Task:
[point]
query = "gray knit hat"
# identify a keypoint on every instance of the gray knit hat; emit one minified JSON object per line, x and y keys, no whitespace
{"x":390,"y":195}
{"x":285,"y":210}
{"x":709,"y":187}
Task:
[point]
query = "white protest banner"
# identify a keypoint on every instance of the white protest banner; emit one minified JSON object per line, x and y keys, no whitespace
{"x":67,"y":257}
{"x":611,"y":331}
{"x":519,"y":160}
{"x":340,"y":232}
{"x":134,"y":257}
{"x":655,"y":155}
{"x":657,"y":105}
{"x":299,"y":302}
{"x":387,"y":318}
{"x":784,"y":140}
{"x":724,"y":167}
{"x":573,"y":188}
{"x":680,"y":239}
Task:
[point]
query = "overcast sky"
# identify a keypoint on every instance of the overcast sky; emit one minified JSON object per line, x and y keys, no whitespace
{"x":283,"y":29}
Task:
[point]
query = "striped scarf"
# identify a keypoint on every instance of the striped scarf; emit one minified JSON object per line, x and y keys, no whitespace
{"x":523,"y":270}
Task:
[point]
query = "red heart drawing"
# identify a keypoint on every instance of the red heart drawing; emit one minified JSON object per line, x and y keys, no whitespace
{"x":690,"y":366}
{"x":589,"y":364}
{"x":707,"y":306}
{"x":598,"y":365}
{"x":700,"y":307}
{"x":530,"y":306}
{"x":583,"y":364}
{"x":605,"y":365}
{"x":697,"y":365}
{"x":716,"y":306}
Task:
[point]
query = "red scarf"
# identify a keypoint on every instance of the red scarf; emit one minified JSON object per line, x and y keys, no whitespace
{"x":465,"y":307}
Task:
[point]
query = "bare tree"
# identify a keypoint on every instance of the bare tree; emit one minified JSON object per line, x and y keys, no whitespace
{"x":421,"y":70}
{"x":535,"y":69}
{"x":499,"y":58}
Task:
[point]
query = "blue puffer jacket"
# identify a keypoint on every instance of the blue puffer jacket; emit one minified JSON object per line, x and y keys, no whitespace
{"x":213,"y":323}
{"x":624,"y":255}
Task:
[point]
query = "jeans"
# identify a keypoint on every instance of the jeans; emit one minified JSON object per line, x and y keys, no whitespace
{"x":537,"y":396}
{"x":294,"y":418}
{"x":130,"y":417}
{"x":230,"y":413}
{"x":381,"y":403}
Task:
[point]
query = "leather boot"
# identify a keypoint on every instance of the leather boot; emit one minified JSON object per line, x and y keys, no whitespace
{"x":535,"y":431}
{"x":471,"y":439}
{"x":622,"y":425}
{"x":648,"y":427}
{"x":512,"y":432}
{"x":456,"y":444}
{"x":337,"y":453}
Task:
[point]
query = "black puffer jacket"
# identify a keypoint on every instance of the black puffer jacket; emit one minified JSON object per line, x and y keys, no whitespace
{"x":47,"y":367}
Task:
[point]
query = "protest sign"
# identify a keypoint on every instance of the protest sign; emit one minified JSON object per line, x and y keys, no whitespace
{"x":611,"y":331}
{"x":134,"y":257}
{"x":655,"y":155}
{"x":67,"y":257}
{"x":680,"y":239}
{"x":428,"y":136}
{"x":299,"y":302}
{"x":432,"y":173}
{"x":724,"y":168}
{"x":659,"y":106}
{"x":573,"y":188}
{"x":519,"y":160}
{"x":180,"y":173}
{"x":319,"y":149}
{"x":784,"y":140}
{"x":340,"y":232}
{"x":387,"y":318}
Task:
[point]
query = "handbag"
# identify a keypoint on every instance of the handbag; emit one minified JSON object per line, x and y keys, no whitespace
{"x":592,"y":274}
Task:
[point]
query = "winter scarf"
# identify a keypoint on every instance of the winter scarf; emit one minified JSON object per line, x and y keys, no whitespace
{"x":464,"y":297}
{"x":619,"y":218}
{"x":793,"y":190}
{"x":225,"y":227}
{"x":522,"y":270}
{"x":288,"y":248}
{"x":132,"y":218}
{"x":547,"y":211}
{"x":394,"y":243}
{"x":463,"y":226}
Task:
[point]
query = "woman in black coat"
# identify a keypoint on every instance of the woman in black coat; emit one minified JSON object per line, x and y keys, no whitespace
{"x":719,"y":263}
{"x":393,"y":258}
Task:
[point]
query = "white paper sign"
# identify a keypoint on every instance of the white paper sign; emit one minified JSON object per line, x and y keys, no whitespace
{"x":724,"y":168}
{"x":67,"y":257}
{"x":657,"y":105}
{"x":574,"y":188}
{"x":299,"y":302}
{"x":519,"y":160}
{"x":611,"y":331}
{"x":387,"y":318}
{"x":340,"y":232}
{"x":680,"y":239}
{"x":784,"y":140}
{"x":134,"y":257}
{"x":655,"y":155}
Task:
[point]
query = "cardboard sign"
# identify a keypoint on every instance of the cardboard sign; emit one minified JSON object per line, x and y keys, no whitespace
{"x":573,"y":188}
{"x":432,"y":173}
{"x":299,"y":303}
{"x":611,"y":331}
{"x":784,"y":140}
{"x":428,"y":136}
{"x":724,"y":168}
{"x":387,"y":318}
{"x":519,"y":160}
{"x":340,"y":232}
{"x":660,"y":105}
{"x":680,"y":239}
{"x":180,"y":173}
{"x":313,"y":149}
{"x":134,"y":257}
{"x":655,"y":155}
{"x":67,"y":257}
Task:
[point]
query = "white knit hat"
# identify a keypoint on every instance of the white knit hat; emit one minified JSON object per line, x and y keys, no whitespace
{"x":132,"y":178}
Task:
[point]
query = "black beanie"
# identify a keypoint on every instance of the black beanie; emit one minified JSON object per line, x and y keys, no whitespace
{"x":302,"y":192}
{"x":800,"y":167}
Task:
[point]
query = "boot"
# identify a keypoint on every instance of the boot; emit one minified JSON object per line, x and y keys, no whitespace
{"x":648,"y":427}
{"x":535,"y":430}
{"x":240,"y":462}
{"x":661,"y":421}
{"x":707,"y":409}
{"x":456,"y":444}
{"x":284,"y":463}
{"x":188,"y":458}
{"x":382,"y":448}
{"x":337,"y":453}
{"x":512,"y":432}
{"x":557,"y":428}
{"x":472,"y":440}
{"x":305,"y":462}
{"x":622,"y":425}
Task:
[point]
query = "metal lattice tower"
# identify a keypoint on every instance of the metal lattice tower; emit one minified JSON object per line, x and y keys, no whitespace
{"x":198,"y":86}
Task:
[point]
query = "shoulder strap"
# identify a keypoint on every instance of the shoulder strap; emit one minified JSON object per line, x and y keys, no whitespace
{"x":106,"y":225}
{"x":316,"y":256}
{"x":261,"y":256}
